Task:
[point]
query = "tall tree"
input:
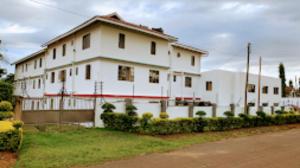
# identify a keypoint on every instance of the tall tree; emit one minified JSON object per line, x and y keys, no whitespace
{"x":283,"y":79}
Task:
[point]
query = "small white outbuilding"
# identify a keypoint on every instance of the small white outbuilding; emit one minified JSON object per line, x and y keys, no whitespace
{"x":226,"y":87}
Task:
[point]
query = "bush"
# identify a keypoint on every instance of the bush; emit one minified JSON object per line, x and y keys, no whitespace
{"x":108,"y":107}
{"x":174,"y":126}
{"x":229,"y":114}
{"x":222,"y":124}
{"x":261,"y":114}
{"x":119,"y":121}
{"x":10,"y":138}
{"x":6,"y":115}
{"x":5,"y":106}
{"x":144,"y":121}
{"x":17,"y":124}
{"x":163,"y":115}
{"x":131,"y":110}
{"x":201,"y":114}
{"x":165,"y":126}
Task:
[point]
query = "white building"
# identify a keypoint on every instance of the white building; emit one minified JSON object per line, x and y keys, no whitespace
{"x":226,"y":87}
{"x":123,"y":60}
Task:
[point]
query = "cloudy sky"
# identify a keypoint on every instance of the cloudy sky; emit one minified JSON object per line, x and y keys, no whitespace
{"x":223,"y":27}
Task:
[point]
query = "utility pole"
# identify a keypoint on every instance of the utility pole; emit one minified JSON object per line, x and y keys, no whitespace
{"x":247,"y":79}
{"x":259,"y":86}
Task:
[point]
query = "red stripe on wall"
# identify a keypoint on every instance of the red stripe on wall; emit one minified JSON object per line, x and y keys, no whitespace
{"x":111,"y":96}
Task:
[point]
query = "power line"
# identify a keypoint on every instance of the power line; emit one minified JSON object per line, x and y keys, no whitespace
{"x":58,"y":8}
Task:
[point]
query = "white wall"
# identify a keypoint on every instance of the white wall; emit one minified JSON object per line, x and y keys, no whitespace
{"x":228,"y":87}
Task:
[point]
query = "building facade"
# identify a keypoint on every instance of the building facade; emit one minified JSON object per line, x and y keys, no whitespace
{"x":226,"y":87}
{"x":109,"y":57}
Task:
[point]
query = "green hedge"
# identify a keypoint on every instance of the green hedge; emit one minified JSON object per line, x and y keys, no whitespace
{"x":119,"y":121}
{"x":11,"y":140}
{"x":123,"y":122}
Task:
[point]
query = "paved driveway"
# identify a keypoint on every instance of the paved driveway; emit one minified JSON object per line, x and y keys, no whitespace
{"x":273,"y":150}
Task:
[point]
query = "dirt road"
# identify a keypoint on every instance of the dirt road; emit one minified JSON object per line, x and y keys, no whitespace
{"x":273,"y":150}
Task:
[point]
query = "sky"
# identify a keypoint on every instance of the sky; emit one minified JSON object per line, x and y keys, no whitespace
{"x":222,"y":27}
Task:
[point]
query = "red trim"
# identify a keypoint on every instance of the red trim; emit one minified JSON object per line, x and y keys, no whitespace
{"x":111,"y":96}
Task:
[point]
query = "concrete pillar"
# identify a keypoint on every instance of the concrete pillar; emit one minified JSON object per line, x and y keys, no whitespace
{"x":191,"y":110}
{"x":282,"y":108}
{"x":260,"y":108}
{"x":272,"y":110}
{"x":18,"y":108}
{"x":214,"y":110}
{"x":127,"y":102}
{"x":232,"y":109}
{"x":163,"y":106}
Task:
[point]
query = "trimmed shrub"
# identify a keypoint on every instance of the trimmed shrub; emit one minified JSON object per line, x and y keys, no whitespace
{"x":5,"y":106}
{"x":146,"y":118}
{"x":229,"y":114}
{"x":163,"y":115}
{"x":201,"y":114}
{"x":108,"y":107}
{"x":131,"y":110}
{"x":17,"y":124}
{"x":10,"y":138}
{"x":261,"y":114}
{"x":174,"y":126}
{"x":119,"y":121}
{"x":222,"y":124}
{"x":6,"y":115}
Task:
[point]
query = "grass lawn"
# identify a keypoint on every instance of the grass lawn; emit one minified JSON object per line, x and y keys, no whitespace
{"x":82,"y":146}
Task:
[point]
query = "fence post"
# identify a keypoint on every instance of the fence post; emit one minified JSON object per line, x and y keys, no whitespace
{"x":191,"y":110}
{"x":127,"y":102}
{"x":163,"y":106}
{"x":214,"y":110}
{"x":18,"y":108}
{"x":232,"y":109}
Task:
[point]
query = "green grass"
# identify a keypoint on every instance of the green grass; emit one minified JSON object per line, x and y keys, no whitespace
{"x":82,"y":146}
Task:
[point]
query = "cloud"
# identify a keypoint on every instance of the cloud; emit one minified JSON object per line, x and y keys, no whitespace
{"x":222,"y":27}
{"x":16,"y":29}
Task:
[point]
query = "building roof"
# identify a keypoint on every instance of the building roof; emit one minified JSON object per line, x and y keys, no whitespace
{"x":116,"y":20}
{"x":30,"y":56}
{"x":190,"y":48}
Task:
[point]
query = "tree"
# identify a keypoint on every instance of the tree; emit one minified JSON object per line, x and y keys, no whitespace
{"x":283,"y":79}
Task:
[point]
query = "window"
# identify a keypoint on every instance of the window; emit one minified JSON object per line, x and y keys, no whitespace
{"x":193,"y":61}
{"x":86,"y":41}
{"x":26,"y":67}
{"x":52,"y":77}
{"x":22,"y":68}
{"x":70,"y":72}
{"x":265,"y":89}
{"x":41,"y":62}
{"x":62,"y":75}
{"x":209,"y":86}
{"x":153,"y":48}
{"x":64,"y":50}
{"x":33,"y":84}
{"x":35,"y":64}
{"x":174,"y":78}
{"x":126,"y":73}
{"x":54,"y":53}
{"x":276,"y":90}
{"x":188,"y":81}
{"x":265,"y":104}
{"x":121,"y":40}
{"x":251,"y":88}
{"x":76,"y":71}
{"x":154,"y":76}
{"x":39,"y":83}
{"x":178,"y":54}
{"x":88,"y":72}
